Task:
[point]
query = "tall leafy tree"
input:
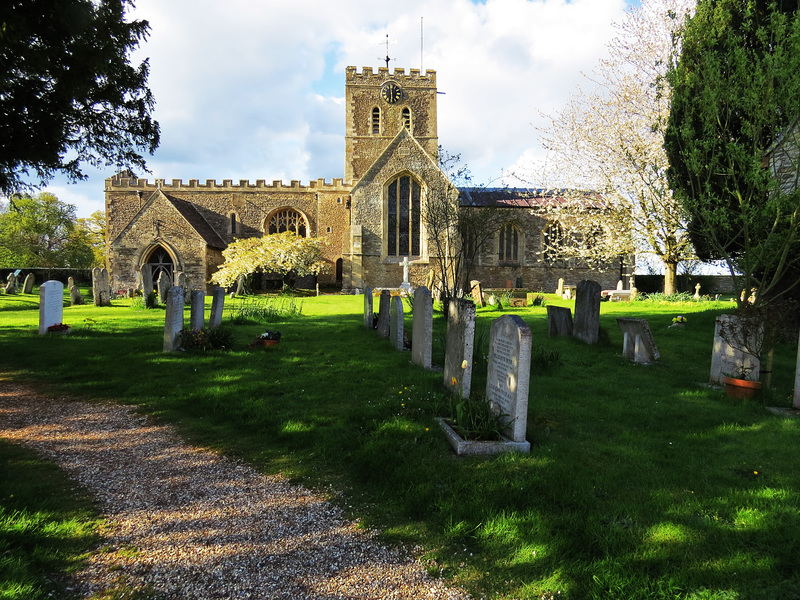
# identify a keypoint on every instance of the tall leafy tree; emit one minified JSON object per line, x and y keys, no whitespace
{"x":68,"y":95}
{"x":40,"y":231}
{"x":732,"y":139}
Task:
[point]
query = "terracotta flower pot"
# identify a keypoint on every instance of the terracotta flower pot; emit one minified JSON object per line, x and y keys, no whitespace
{"x":741,"y":388}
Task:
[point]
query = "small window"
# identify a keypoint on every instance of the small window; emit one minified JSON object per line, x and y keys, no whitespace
{"x":376,"y":121}
{"x":329,"y":229}
{"x":407,"y":118}
{"x":233,"y":224}
{"x":509,"y":244}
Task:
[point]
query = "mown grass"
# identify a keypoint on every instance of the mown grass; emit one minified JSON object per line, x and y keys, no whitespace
{"x":642,"y":481}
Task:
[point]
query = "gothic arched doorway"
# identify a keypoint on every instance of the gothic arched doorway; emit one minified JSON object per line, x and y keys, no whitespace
{"x":160,"y":261}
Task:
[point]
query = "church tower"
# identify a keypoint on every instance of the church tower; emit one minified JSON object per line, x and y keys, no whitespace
{"x":378,"y":105}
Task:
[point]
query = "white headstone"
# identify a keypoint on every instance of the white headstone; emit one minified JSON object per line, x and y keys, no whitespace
{"x":173,"y":320}
{"x":396,"y":322}
{"x":51,"y":304}
{"x":620,"y":285}
{"x":422,"y":328}
{"x":560,"y":288}
{"x":509,"y":373}
{"x":460,"y":341}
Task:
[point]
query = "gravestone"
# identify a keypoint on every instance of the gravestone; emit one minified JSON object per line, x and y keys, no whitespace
{"x":101,"y":291}
{"x":429,"y":279}
{"x":27,"y":287}
{"x":70,"y":282}
{"x":173,"y":320}
{"x":638,"y":344}
{"x":586,"y":325}
{"x":396,"y":322}
{"x":727,"y":359}
{"x":369,"y":322}
{"x":696,"y":292}
{"x":422,"y":328}
{"x":477,"y":292}
{"x":620,"y":285}
{"x":383,"y":313}
{"x":198,"y":313}
{"x":509,"y":373}
{"x":75,"y":296}
{"x":560,"y":288}
{"x":164,"y":285}
{"x":51,"y":304}
{"x":559,"y":321}
{"x":11,"y":284}
{"x":240,"y":285}
{"x":147,"y":280}
{"x":217,"y":306}
{"x":405,"y":285}
{"x":460,"y":341}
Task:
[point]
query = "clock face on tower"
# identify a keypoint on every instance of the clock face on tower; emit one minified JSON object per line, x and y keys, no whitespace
{"x":391,"y":92}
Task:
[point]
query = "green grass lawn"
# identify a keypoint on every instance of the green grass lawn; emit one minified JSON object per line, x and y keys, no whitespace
{"x":642,"y":481}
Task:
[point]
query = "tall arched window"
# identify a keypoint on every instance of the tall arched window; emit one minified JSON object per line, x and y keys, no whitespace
{"x":407,"y":118}
{"x":287,"y":219}
{"x":376,"y":121}
{"x":509,"y":244}
{"x":403,"y":217}
{"x":553,"y":240}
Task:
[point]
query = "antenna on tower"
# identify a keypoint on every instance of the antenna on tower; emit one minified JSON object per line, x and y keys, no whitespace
{"x":421,"y":63}
{"x":386,"y":58}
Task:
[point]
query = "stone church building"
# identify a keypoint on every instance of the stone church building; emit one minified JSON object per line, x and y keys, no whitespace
{"x":372,"y":219}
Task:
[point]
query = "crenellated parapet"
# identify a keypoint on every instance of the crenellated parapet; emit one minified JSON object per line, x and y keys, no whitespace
{"x":211,"y":185}
{"x":370,"y":77}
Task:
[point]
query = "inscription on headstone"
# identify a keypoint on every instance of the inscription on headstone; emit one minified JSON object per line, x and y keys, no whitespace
{"x":586,"y":325}
{"x":396,"y":322}
{"x":422,"y":328}
{"x":460,"y":341}
{"x":51,"y":304}
{"x":368,"y":316}
{"x":173,"y":320}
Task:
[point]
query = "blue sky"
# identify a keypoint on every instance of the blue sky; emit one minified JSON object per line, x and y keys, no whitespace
{"x":254,"y":89}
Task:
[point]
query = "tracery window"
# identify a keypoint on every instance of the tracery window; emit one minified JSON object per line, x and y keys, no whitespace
{"x":376,"y":121}
{"x":509,"y":244}
{"x":553,"y":240}
{"x":403,"y":217}
{"x":288,"y":219}
{"x":160,"y":261}
{"x":407,"y":118}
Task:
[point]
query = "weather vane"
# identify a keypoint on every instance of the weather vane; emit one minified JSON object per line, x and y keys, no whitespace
{"x":386,"y":58}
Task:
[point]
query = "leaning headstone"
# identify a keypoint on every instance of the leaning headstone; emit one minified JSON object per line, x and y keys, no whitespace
{"x":559,"y":321}
{"x":586,"y":325}
{"x":560,"y":288}
{"x":460,"y":341}
{"x":638,"y":344}
{"x":725,"y":359}
{"x":173,"y":321}
{"x":101,"y":290}
{"x":11,"y":284}
{"x":164,"y":284}
{"x":51,"y":304}
{"x":368,"y":316}
{"x":217,"y":305}
{"x":422,"y":328}
{"x":396,"y":322}
{"x":147,"y":280}
{"x":75,"y":296}
{"x":477,"y":292}
{"x":509,"y":374}
{"x":198,"y":313}
{"x":383,"y":313}
{"x":27,"y":287}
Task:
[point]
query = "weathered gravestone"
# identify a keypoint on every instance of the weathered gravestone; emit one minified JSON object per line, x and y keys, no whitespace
{"x":696,"y":292}
{"x":559,"y":321}
{"x":75,"y":296}
{"x":460,"y":341}
{"x":586,"y":325}
{"x":422,"y":328}
{"x":383,"y":313}
{"x":477,"y":292}
{"x":51,"y":304}
{"x":27,"y":287}
{"x":217,"y":305}
{"x":620,"y":285}
{"x":198,"y":313}
{"x":560,"y":287}
{"x":147,"y":280}
{"x":164,"y":285}
{"x":101,"y":290}
{"x":240,"y":288}
{"x":173,"y":321}
{"x":369,"y":319}
{"x":726,"y":359}
{"x":396,"y":322}
{"x":509,"y":374}
{"x":11,"y":284}
{"x":638,"y":344}
{"x":405,"y":285}
{"x":70,"y":282}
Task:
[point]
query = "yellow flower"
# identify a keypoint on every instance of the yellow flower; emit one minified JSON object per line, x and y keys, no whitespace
{"x":427,"y":429}
{"x":454,"y":381}
{"x":755,"y":472}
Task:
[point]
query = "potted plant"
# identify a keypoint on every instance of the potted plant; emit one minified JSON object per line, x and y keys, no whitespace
{"x":739,"y":384}
{"x":267,"y":339}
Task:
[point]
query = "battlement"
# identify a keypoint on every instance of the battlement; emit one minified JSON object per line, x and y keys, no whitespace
{"x":122,"y":183}
{"x":369,"y":77}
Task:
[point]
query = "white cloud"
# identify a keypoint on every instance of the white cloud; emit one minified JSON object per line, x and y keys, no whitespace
{"x":254,"y":90}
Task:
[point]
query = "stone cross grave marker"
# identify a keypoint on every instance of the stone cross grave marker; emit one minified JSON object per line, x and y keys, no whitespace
{"x":164,"y":284}
{"x":559,"y":321}
{"x":477,"y":292}
{"x":509,"y":373}
{"x":383,"y":313}
{"x":27,"y":287}
{"x":198,"y":312}
{"x":217,"y":305}
{"x":405,"y":285}
{"x":460,"y":341}
{"x":696,"y":292}
{"x":369,"y":319}
{"x":422,"y":328}
{"x":396,"y":322}
{"x":727,"y":359}
{"x":51,"y":304}
{"x":586,"y":325}
{"x":638,"y":344}
{"x":147,"y":280}
{"x":173,"y":320}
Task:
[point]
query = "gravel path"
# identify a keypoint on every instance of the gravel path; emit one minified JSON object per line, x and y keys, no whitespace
{"x":196,"y":525}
